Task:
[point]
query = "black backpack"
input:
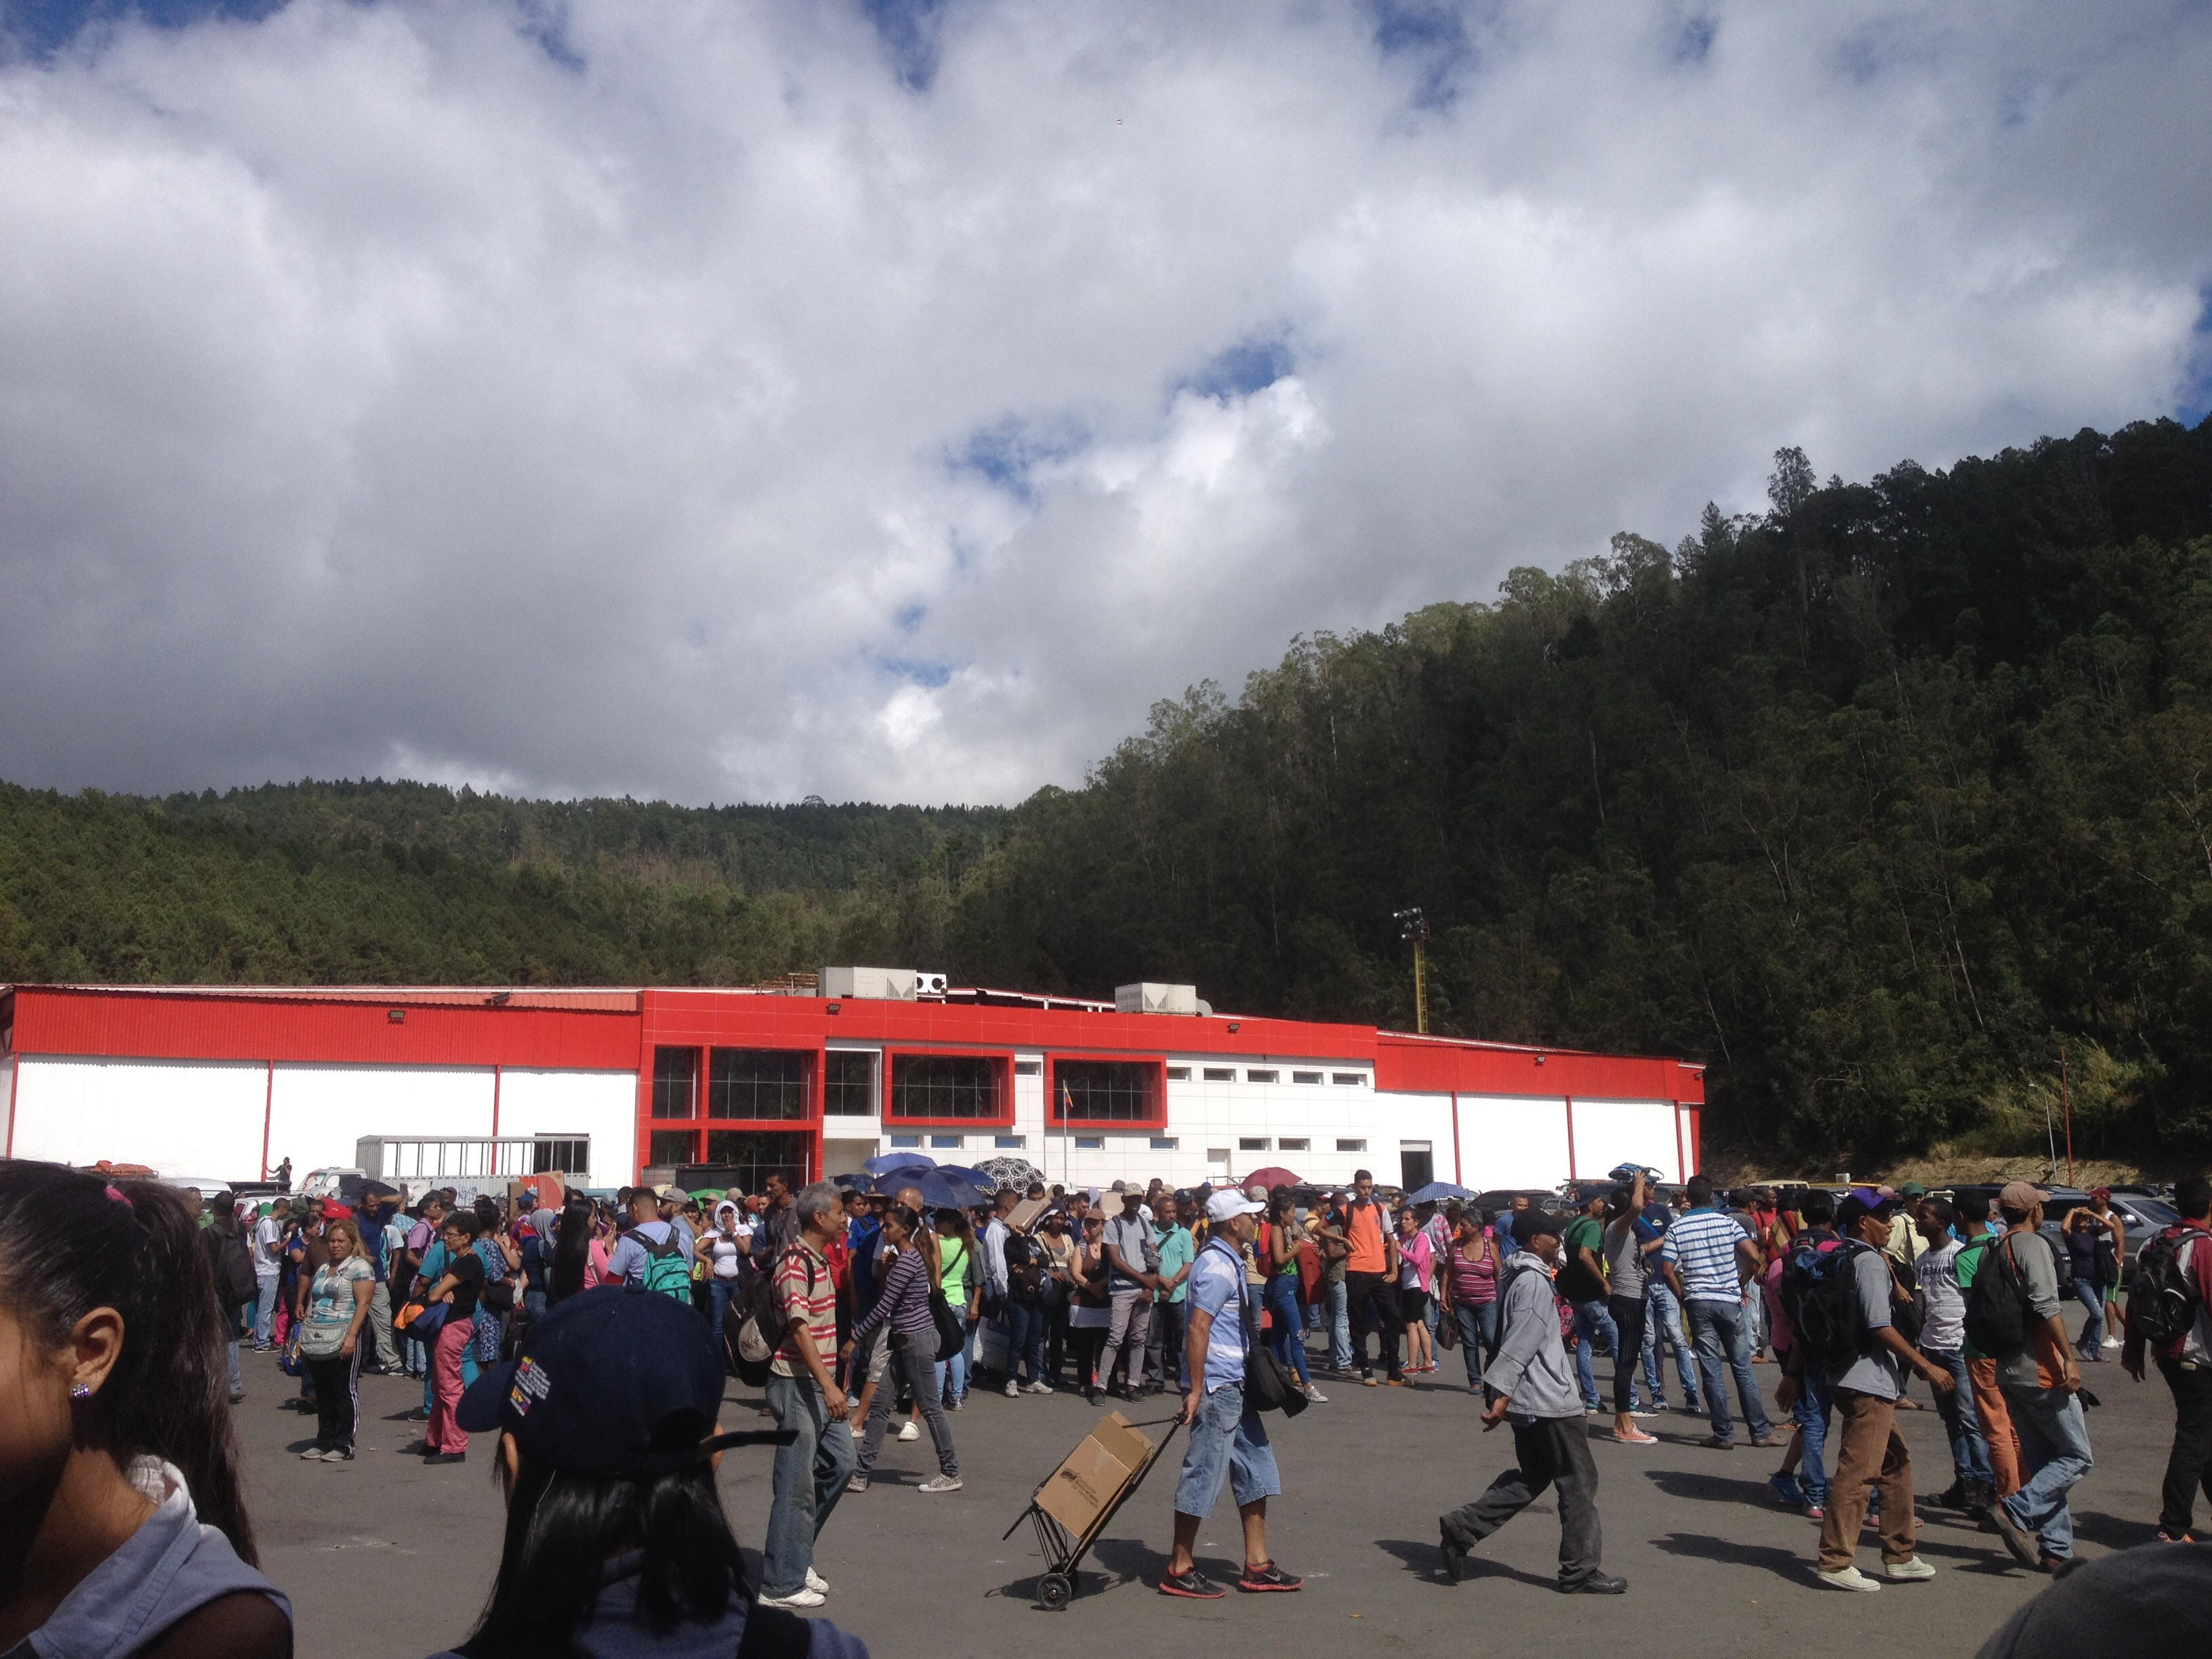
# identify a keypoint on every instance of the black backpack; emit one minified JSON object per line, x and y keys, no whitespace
{"x":1820,"y":1295}
{"x":754,"y":1333}
{"x":2162,"y":1304}
{"x":1999,"y":1320}
{"x":235,"y":1286}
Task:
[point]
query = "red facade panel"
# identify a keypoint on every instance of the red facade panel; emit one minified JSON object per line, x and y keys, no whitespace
{"x":1430,"y":1066}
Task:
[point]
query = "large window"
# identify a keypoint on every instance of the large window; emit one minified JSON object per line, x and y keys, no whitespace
{"x":669,"y":1147}
{"x":759,"y":1083}
{"x":675,"y":1082}
{"x":849,"y":1084}
{"x":1104,"y":1091}
{"x":747,"y":1157}
{"x":929,"y":1087}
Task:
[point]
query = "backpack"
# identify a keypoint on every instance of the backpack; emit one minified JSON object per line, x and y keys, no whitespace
{"x":235,"y":1286}
{"x":665,"y":1269}
{"x":1999,"y":1320}
{"x":755,"y":1334}
{"x":2162,"y":1303}
{"x":1821,"y":1296}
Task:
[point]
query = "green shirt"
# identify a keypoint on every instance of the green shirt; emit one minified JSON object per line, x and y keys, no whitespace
{"x":1177,"y":1250}
{"x":1584,"y":1232}
{"x":1966,"y":1264}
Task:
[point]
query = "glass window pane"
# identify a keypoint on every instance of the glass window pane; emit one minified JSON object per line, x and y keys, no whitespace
{"x":944,"y":1086}
{"x":672,"y":1146}
{"x":1103,"y":1091}
{"x":757,"y":1083}
{"x":675,"y":1077}
{"x":849,"y":1084}
{"x":747,"y":1157}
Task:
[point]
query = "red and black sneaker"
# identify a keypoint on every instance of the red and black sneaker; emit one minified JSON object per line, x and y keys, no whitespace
{"x":1194,"y":1584}
{"x":1266,"y":1576}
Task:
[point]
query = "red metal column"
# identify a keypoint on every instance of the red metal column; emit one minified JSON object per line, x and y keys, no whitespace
{"x":268,"y":1102}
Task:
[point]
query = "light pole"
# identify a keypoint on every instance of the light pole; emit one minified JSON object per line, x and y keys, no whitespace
{"x":1413,"y":928}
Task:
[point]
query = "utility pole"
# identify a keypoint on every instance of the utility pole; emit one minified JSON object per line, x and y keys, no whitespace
{"x":2066,"y":1097}
{"x":1413,"y":928}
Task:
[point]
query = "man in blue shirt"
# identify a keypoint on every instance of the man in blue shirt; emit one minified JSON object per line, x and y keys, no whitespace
{"x":1228,"y":1441}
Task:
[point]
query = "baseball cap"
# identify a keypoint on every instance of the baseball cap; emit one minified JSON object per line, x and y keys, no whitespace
{"x":1873,"y":1197}
{"x":526,"y":1198}
{"x":2019,"y":1195}
{"x":612,"y":1380}
{"x":662,"y":1191}
{"x":2101,"y":1192}
{"x":1912,"y":1189}
{"x":1229,"y":1202}
{"x":1532,"y":1224}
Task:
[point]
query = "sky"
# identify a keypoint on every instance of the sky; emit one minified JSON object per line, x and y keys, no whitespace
{"x":892,"y":399}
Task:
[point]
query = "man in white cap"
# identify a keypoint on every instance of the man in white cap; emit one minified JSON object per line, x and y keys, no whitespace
{"x":1228,"y":1441}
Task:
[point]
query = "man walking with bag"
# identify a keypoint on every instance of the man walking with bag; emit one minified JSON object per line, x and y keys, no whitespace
{"x":1538,"y":1394}
{"x":1228,"y":1440}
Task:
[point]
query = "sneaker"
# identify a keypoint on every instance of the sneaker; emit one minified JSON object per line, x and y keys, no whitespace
{"x":1816,"y":1512}
{"x":338,"y":1454}
{"x":1316,"y":1395}
{"x":1368,"y":1377}
{"x":1037,"y":1388}
{"x":1094,"y":1397}
{"x":909,"y":1431}
{"x":1763,"y":1441}
{"x":816,"y":1583}
{"x":445,"y":1457}
{"x":940,"y":1483}
{"x":2166,"y":1537}
{"x":1595,"y":1583}
{"x":855,"y":1483}
{"x":1646,"y":1411}
{"x":1593,"y":1407}
{"x":1659,"y":1406}
{"x":2113,"y":1342}
{"x":1013,"y":1389}
{"x":1266,"y":1576}
{"x":2025,"y":1548}
{"x":1635,"y":1438}
{"x":1851,"y":1578}
{"x":313,"y":1454}
{"x":1789,"y":1489}
{"x":1194,"y":1583}
{"x":1956,"y":1496}
{"x":418,"y":1415}
{"x":1907,"y":1572}
{"x":1455,"y":1554}
{"x":1714,"y":1442}
{"x":801,"y":1597}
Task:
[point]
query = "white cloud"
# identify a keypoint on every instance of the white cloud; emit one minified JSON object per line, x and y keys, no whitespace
{"x":716,"y":414}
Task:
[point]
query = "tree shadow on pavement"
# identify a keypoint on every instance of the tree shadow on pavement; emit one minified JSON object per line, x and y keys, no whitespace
{"x":1427,"y":1561}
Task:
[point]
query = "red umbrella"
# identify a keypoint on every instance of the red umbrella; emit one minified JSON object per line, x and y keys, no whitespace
{"x":1273,"y":1176}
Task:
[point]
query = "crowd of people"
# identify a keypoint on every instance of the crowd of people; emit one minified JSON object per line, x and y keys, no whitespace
{"x":869,"y":1316}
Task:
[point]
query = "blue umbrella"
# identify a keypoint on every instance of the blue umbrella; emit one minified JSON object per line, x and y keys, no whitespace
{"x":941,"y":1191}
{"x":1436,"y":1192}
{"x":982,"y":1180}
{"x":884,"y":1163}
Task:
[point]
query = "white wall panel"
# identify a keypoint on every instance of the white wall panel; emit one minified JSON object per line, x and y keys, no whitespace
{"x":1610,"y":1133}
{"x":182,"y":1117}
{"x":318,"y":1112}
{"x":600,"y":1104}
{"x":1506,"y":1141}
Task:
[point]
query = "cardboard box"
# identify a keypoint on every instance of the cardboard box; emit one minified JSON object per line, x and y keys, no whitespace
{"x":1023,"y":1216}
{"x":1095,"y":1475}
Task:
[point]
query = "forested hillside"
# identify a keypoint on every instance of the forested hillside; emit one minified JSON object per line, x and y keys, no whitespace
{"x":1877,"y":801}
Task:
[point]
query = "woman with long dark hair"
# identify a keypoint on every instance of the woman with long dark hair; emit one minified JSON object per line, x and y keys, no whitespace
{"x":960,"y":1277}
{"x":572,"y":1251}
{"x":902,"y":1314}
{"x":615,"y":1540}
{"x":1287,"y":1335}
{"x":123,"y":1529}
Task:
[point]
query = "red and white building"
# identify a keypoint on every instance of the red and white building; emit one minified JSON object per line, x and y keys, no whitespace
{"x":228,"y":1082}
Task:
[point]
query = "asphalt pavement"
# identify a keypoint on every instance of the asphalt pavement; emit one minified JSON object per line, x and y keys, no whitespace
{"x":385,"y":1559}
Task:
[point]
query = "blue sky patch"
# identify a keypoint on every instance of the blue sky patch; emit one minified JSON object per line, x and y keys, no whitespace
{"x":930,"y":674}
{"x":1003,"y":454}
{"x":909,"y":30}
{"x":44,"y":26}
{"x":2196,"y":391}
{"x":1431,"y":34}
{"x":1250,"y":365}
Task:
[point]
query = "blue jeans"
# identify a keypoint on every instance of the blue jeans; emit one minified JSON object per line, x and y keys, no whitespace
{"x":1662,"y":1334}
{"x":1810,"y":1414}
{"x":810,"y":1477}
{"x":1720,"y":1331}
{"x":1591,"y":1317}
{"x":1478,"y":1335}
{"x":2054,"y":1454}
{"x":1970,"y":1453}
{"x":264,"y":1311}
{"x":534,"y":1303}
{"x":1226,"y":1441}
{"x":1025,"y":1339}
{"x":2092,"y":1329}
{"x":1287,"y":1338}
{"x":720,"y":1292}
{"x":1340,"y":1327}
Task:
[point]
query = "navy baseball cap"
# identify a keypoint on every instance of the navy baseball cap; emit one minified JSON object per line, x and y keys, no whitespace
{"x":618,"y":1380}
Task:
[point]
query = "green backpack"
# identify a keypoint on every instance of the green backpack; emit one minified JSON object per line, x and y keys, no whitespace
{"x":665,"y":1269}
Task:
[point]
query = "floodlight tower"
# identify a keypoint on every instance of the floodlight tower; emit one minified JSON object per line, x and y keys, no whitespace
{"x":1413,"y":928}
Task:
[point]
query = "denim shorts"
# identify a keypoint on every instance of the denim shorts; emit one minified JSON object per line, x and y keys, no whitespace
{"x":1226,"y":1440}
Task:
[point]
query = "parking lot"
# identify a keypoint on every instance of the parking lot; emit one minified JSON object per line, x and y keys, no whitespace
{"x":392,"y":1559}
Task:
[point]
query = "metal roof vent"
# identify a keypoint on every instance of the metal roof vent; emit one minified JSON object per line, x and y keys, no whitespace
{"x":1149,"y":999}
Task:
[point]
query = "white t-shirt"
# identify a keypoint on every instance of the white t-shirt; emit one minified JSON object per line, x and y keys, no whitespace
{"x":268,"y":1245}
{"x":726,"y":1252}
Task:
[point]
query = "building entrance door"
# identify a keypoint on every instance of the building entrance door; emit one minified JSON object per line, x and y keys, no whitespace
{"x":1416,"y":1170}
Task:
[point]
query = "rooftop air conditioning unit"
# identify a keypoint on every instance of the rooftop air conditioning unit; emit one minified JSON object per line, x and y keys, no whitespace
{"x":929,"y":985}
{"x":870,"y":984}
{"x":1150,"y":999}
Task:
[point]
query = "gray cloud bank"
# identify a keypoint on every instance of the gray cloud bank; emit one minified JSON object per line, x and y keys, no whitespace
{"x":715,"y":401}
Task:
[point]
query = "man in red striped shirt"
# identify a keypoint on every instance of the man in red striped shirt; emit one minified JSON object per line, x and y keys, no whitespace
{"x":803,"y":1392}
